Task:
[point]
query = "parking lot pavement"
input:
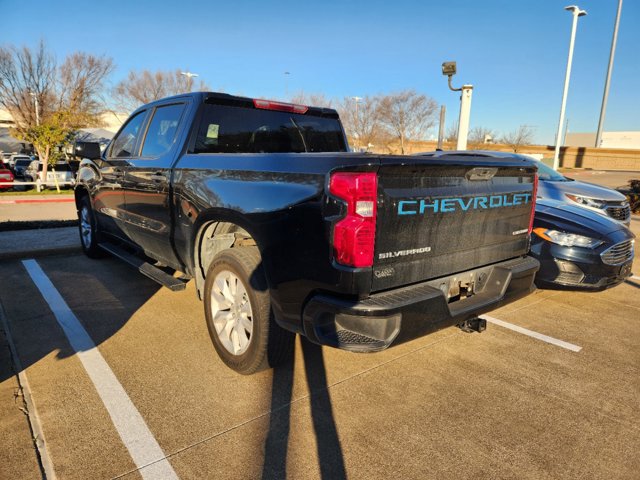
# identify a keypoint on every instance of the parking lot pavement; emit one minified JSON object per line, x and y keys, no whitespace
{"x":450,"y":405}
{"x":17,"y":454}
{"x":606,"y":178}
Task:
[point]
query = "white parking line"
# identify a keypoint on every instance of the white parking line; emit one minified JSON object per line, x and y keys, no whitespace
{"x":134,"y":432}
{"x":531,"y":333}
{"x":635,"y":277}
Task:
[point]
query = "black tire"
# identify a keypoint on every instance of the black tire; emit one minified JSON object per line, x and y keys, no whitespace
{"x":88,"y":228}
{"x":267,"y":345}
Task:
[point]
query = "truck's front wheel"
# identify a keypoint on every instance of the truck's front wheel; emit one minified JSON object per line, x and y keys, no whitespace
{"x":238,"y":313}
{"x":88,"y":229}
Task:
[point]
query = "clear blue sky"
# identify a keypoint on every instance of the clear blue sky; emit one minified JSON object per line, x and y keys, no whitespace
{"x":513,"y":52}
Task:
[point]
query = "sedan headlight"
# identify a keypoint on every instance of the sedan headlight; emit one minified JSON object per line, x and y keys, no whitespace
{"x":567,"y":239}
{"x":586,"y":201}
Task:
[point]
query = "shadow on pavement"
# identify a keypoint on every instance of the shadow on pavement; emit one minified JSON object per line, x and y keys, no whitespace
{"x":104,"y":301}
{"x":329,"y":450}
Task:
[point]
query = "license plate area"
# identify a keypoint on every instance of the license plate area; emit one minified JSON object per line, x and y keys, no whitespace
{"x":463,"y":285}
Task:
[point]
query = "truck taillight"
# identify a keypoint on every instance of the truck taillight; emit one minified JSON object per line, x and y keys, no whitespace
{"x":533,"y":202}
{"x":354,"y":235}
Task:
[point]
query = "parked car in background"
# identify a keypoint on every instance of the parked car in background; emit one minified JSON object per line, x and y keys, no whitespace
{"x":579,"y":248}
{"x":61,"y":171}
{"x":13,"y":160}
{"x":21,"y":166}
{"x":605,"y":201}
{"x":6,"y":177}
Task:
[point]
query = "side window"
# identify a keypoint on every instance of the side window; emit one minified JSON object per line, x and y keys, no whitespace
{"x":163,"y":130}
{"x":125,"y":142}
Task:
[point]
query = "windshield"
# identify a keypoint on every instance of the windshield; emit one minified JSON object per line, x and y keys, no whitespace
{"x":23,"y":163}
{"x":548,"y":174}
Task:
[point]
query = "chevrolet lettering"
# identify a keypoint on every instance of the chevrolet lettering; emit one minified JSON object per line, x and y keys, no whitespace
{"x":447,"y":205}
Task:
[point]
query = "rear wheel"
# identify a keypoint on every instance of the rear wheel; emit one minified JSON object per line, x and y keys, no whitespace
{"x":88,"y":229}
{"x":238,"y":312}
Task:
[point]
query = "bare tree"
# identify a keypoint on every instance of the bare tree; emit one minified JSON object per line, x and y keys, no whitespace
{"x":312,"y":99}
{"x":46,"y":102}
{"x":145,"y":86}
{"x":407,"y":115}
{"x":452,"y":133}
{"x":479,"y":136}
{"x":361,"y":121}
{"x":518,"y":138}
{"x":27,"y":78}
{"x":80,"y":86}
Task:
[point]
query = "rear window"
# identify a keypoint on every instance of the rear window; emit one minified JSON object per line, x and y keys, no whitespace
{"x":23,"y":163}
{"x":228,"y":129}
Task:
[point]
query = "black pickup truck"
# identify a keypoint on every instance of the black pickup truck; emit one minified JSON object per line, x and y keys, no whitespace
{"x":284,"y":230}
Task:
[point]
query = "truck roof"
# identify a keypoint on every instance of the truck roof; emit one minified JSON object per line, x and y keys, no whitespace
{"x":225,"y":98}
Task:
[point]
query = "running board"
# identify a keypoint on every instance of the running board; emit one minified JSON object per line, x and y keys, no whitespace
{"x":145,"y":268}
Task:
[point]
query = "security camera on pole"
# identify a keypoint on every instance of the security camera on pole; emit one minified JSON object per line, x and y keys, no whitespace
{"x":449,"y":69}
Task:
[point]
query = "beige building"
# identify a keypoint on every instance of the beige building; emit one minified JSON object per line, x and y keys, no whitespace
{"x":627,"y":140}
{"x":111,"y":120}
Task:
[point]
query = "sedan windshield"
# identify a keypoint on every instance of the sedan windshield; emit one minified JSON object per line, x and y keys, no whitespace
{"x":548,"y":174}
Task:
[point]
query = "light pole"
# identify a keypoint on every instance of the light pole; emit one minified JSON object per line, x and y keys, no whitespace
{"x":35,"y":98}
{"x":189,"y":76}
{"x":605,"y":96}
{"x":576,"y":12}
{"x":449,"y":69}
{"x":357,"y":129}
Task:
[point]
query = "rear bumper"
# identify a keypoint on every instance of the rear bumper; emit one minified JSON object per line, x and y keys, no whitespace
{"x":403,"y":314}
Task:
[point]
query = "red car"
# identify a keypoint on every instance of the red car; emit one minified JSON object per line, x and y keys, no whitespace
{"x":6,"y":177}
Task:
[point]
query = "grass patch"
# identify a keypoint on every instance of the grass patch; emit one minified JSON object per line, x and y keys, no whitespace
{"x":36,"y":224}
{"x":33,"y":191}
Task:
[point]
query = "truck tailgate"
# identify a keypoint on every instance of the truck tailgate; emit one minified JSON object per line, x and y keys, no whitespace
{"x":438,"y":217}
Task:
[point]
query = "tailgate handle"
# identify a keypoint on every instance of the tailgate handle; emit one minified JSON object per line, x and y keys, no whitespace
{"x":481,"y":173}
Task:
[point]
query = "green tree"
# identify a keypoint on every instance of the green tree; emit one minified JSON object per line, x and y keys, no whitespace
{"x":53,"y":131}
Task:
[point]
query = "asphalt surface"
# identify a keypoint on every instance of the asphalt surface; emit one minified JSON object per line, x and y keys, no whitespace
{"x":450,"y":405}
{"x":499,"y":404}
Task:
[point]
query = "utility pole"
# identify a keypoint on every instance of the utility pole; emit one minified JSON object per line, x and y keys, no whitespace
{"x":605,"y":96}
{"x":577,"y":13}
{"x":443,"y":112}
{"x":357,"y":129}
{"x":189,"y":76}
{"x":449,"y":69}
{"x":465,"y":116}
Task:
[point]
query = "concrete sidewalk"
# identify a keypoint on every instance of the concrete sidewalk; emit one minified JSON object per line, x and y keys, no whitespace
{"x":39,"y":242}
